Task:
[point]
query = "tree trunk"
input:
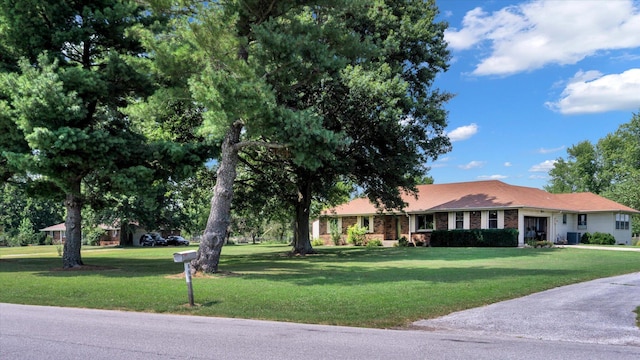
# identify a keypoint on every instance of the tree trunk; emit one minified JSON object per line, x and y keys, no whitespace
{"x":219,"y":218}
{"x":301,"y":241}
{"x":126,"y":236}
{"x":71,"y":254}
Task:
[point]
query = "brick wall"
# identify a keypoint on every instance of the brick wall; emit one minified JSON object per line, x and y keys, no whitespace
{"x":475,"y":220}
{"x":511,"y":219}
{"x":324,"y":225}
{"x":404,"y":224}
{"x":378,"y":225}
{"x":348,"y":221}
{"x":442,"y":221}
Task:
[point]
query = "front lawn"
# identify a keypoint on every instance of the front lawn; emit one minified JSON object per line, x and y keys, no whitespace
{"x":369,"y":287}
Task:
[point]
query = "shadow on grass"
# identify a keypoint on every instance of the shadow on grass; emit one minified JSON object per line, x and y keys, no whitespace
{"x":338,"y":266}
{"x":355,"y":276}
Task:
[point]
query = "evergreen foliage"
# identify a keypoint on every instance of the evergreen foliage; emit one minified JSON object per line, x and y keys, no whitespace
{"x":72,"y":67}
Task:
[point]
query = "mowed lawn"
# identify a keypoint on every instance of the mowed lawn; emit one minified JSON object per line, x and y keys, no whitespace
{"x":357,"y":286}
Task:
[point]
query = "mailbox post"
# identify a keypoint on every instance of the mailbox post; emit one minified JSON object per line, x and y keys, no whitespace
{"x":186,"y":257}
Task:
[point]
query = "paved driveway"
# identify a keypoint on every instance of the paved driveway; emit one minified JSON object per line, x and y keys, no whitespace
{"x":598,"y":311}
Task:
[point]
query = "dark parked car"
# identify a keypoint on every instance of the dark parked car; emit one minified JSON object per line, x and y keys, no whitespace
{"x":177,"y":240}
{"x":152,"y":239}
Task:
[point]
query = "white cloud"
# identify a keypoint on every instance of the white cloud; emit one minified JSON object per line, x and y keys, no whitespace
{"x":463,"y":132}
{"x":538,"y":177}
{"x":441,"y":162}
{"x":592,"y":92}
{"x":471,"y":165}
{"x":533,"y":34}
{"x":547,"y":151}
{"x":544,"y":166}
{"x":492,"y":177}
{"x":508,"y":164}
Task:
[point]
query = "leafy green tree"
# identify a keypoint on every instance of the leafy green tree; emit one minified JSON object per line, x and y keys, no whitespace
{"x":371,"y":88}
{"x":610,"y":168}
{"x":16,"y":204}
{"x":79,"y":67}
{"x":241,"y":108}
{"x":27,"y":234}
{"x":620,"y":153}
{"x":579,"y":173}
{"x":11,"y":137}
{"x":351,"y":62}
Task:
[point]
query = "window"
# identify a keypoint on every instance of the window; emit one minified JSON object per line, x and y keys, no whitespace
{"x":564,"y":218}
{"x":365,"y":223}
{"x":622,"y":221}
{"x":493,"y":219}
{"x":582,"y":221}
{"x":424,"y":222}
{"x":459,"y":220}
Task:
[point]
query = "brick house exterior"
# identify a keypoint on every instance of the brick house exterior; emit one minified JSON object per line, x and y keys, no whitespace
{"x":483,"y":205}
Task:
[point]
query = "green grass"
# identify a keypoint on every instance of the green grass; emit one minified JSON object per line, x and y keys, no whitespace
{"x":356,"y":286}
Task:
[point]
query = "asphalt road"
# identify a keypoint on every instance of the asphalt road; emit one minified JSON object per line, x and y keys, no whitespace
{"x":598,"y":311}
{"x":44,"y":333}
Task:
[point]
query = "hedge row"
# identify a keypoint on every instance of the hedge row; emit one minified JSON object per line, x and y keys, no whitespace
{"x":598,"y":238}
{"x":475,"y":238}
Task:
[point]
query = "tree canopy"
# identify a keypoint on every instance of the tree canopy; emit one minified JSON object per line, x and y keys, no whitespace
{"x":611,"y":167}
{"x":330,"y":90}
{"x":305,"y":98}
{"x":74,"y":66}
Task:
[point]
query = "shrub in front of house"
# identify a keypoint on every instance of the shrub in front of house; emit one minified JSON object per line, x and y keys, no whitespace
{"x":317,"y":242}
{"x":585,"y":238}
{"x":356,"y":235}
{"x":403,"y":242}
{"x":475,"y":238}
{"x":335,"y":232}
{"x":374,"y":243}
{"x":602,"y":239}
{"x":540,"y":244}
{"x":91,"y":236}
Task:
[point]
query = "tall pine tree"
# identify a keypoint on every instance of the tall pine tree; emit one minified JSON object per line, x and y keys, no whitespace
{"x":334,"y":89}
{"x":78,"y":66}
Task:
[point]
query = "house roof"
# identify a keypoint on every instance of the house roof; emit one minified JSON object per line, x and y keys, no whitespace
{"x":56,"y":227}
{"x":62,"y":227}
{"x":483,"y":195}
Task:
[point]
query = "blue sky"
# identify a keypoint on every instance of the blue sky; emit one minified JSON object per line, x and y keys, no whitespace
{"x":533,"y":78}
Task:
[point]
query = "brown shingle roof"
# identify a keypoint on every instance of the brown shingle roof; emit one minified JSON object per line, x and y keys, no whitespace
{"x":63,"y":227}
{"x":490,"y":194}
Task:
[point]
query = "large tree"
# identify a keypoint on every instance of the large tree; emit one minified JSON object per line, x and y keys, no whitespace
{"x":334,"y":88}
{"x":373,"y":85}
{"x":79,"y":66}
{"x":610,"y":168}
{"x":382,"y":99}
{"x":580,"y":172}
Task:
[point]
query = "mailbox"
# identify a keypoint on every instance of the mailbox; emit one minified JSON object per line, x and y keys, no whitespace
{"x":184,"y":256}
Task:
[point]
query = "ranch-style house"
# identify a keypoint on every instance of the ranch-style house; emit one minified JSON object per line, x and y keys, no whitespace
{"x":535,"y":213}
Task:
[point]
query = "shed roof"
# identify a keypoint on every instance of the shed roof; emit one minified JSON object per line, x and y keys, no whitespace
{"x":62,"y":227}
